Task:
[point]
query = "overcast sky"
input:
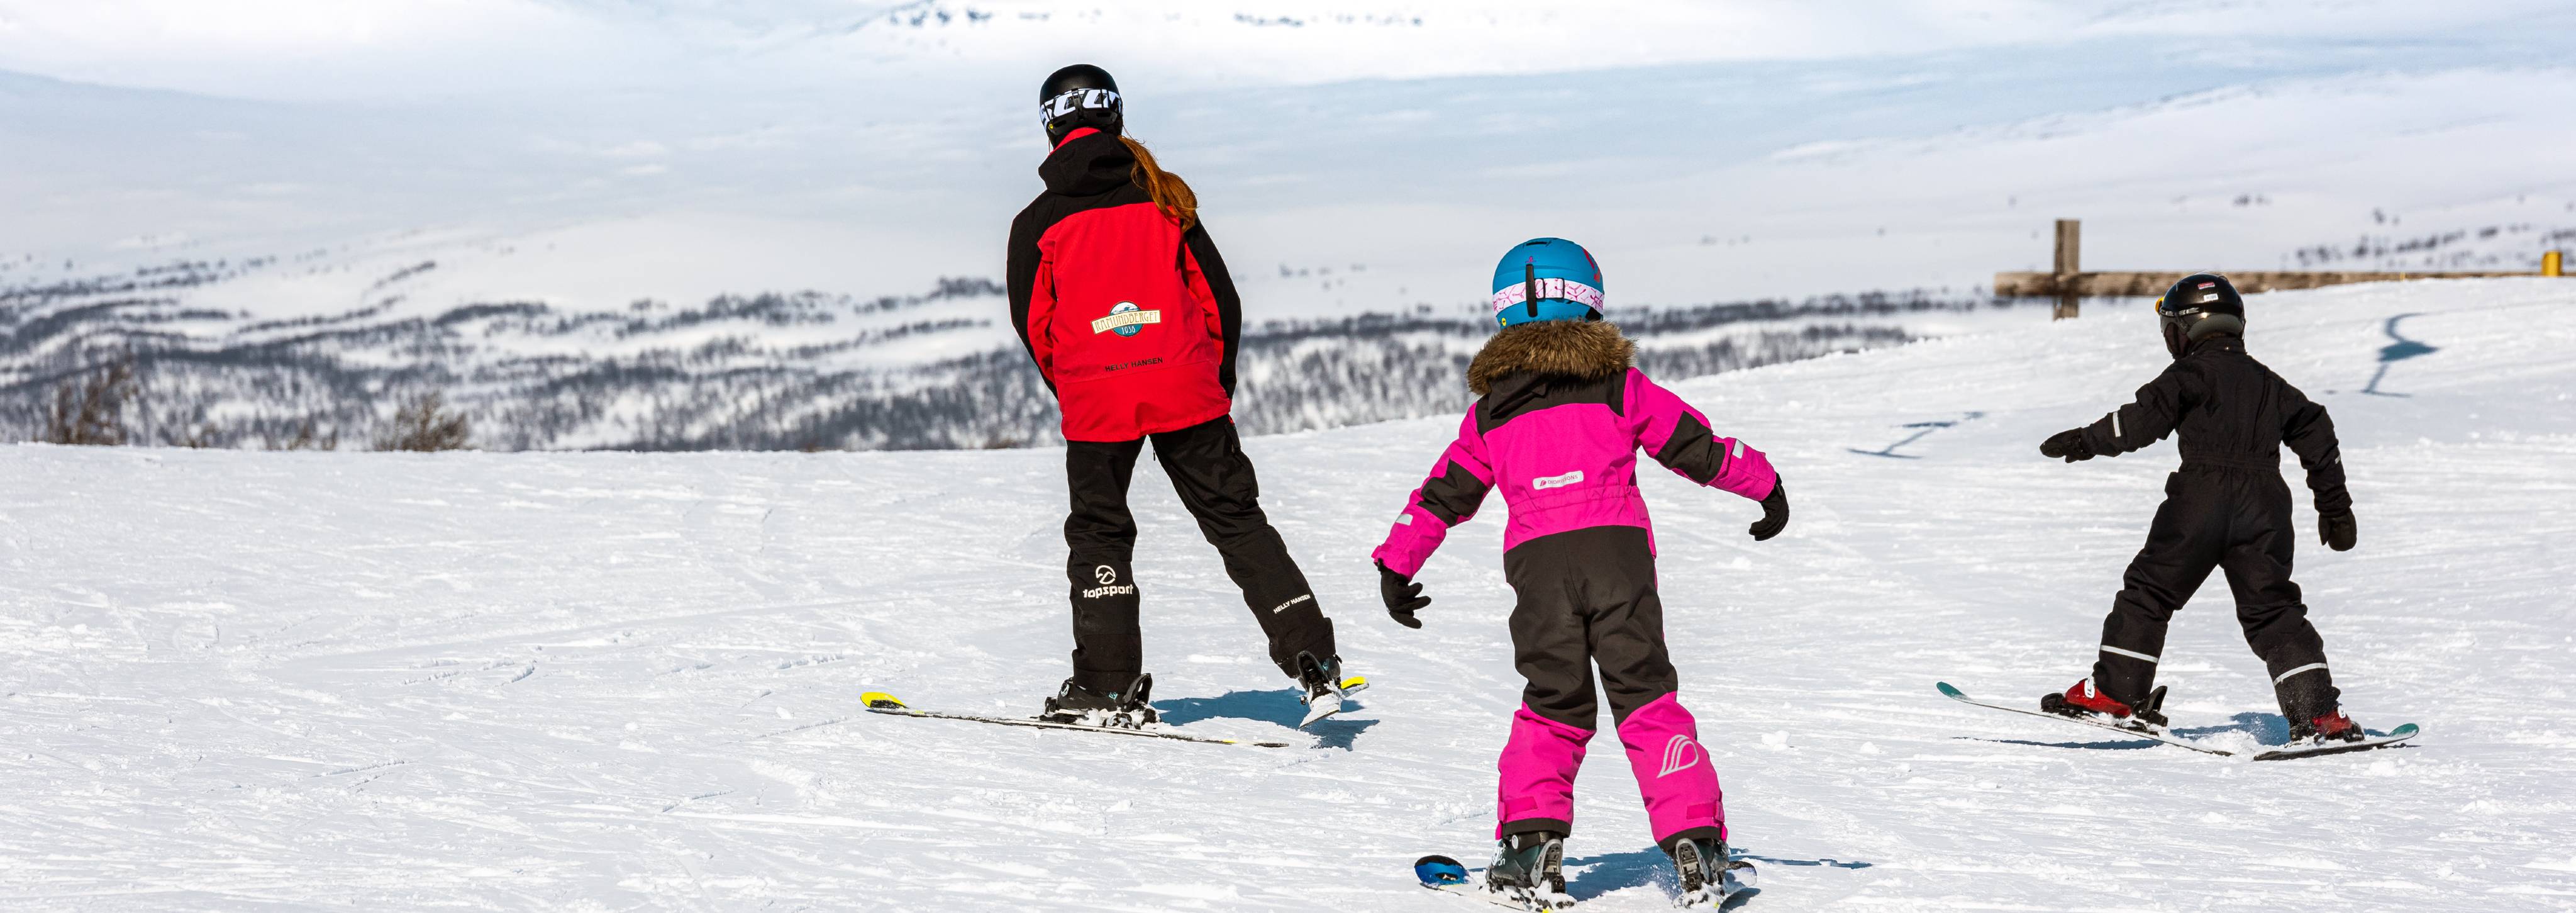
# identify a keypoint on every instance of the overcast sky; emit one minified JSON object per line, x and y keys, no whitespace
{"x":410,"y":49}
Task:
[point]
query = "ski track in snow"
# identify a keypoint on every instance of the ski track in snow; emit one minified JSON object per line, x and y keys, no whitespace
{"x":602,"y":681}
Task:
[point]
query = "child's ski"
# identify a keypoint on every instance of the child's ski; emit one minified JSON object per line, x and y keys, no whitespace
{"x":881,"y":702}
{"x":2146,"y":730}
{"x":2138,"y":728}
{"x":1447,"y":876}
{"x":2313,"y":749}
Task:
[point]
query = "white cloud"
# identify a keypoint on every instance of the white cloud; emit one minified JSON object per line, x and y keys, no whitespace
{"x":637,"y":149}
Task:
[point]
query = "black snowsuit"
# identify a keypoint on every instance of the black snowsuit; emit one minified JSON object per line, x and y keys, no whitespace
{"x":2228,"y":509}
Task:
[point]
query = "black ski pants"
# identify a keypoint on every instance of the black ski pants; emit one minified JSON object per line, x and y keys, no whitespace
{"x":1214,"y":478}
{"x":1588,"y":596}
{"x":2236,"y":520}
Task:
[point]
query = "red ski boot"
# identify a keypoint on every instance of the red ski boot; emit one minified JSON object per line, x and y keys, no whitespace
{"x":2332,"y":727}
{"x":2085,"y":700}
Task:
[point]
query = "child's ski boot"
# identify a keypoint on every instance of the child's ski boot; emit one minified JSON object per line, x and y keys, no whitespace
{"x":1326,"y":687}
{"x":1529,"y":868}
{"x":1074,"y":704}
{"x":2083,"y":700}
{"x":2331,"y":727}
{"x":1708,"y":876}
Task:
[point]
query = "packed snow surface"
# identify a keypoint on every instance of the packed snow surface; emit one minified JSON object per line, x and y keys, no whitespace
{"x":240,"y":680}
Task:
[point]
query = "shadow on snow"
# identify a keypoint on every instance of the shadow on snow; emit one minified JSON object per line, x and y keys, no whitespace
{"x":2267,"y":728}
{"x":1589,"y":877}
{"x":1280,"y":706}
{"x":2399,"y":349}
{"x":1922,"y":429}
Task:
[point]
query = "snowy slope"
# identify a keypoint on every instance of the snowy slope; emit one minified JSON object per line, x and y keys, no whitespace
{"x":610,"y":681}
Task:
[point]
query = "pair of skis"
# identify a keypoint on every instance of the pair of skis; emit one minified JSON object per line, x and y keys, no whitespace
{"x":881,"y":702}
{"x":1448,"y":876}
{"x":2145,"y":730}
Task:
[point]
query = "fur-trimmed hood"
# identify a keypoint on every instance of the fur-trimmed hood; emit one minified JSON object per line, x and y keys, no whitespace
{"x":1586,"y":350}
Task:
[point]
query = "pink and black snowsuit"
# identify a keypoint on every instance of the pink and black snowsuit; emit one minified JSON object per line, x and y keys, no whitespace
{"x":1558,"y":427}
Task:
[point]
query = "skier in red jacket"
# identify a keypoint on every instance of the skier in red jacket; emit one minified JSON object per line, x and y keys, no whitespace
{"x":1123,"y":302}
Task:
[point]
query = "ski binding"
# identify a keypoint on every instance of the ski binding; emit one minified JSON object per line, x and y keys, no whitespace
{"x":1333,"y":702}
{"x":1448,"y":876}
{"x":2312,"y":749}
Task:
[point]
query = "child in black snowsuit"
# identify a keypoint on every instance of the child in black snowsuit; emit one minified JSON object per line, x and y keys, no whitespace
{"x":2225,"y":509}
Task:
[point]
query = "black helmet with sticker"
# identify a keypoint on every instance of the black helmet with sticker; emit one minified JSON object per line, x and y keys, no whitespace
{"x":1080,"y":96}
{"x":2202,"y":304}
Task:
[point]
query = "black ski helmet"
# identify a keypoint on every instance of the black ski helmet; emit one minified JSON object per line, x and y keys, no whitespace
{"x":1080,"y":96}
{"x":2200,"y":305}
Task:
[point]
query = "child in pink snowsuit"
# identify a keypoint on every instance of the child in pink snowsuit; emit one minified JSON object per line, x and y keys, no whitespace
{"x":1561,"y":418}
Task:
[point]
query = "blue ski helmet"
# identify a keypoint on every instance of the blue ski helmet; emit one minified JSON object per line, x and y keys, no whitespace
{"x":1546,"y":279}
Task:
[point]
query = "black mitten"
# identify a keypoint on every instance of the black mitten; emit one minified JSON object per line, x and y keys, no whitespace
{"x":2337,"y":530}
{"x":1403,"y":596}
{"x":2068,"y":444}
{"x":1775,"y":512}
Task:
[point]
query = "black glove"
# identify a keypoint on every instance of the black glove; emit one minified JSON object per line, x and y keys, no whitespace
{"x":1775,"y":512}
{"x":2069,"y":444}
{"x":2337,"y":530}
{"x":1402,"y":595}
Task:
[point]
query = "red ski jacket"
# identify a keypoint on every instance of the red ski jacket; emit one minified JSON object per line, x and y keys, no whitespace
{"x":1131,"y":320}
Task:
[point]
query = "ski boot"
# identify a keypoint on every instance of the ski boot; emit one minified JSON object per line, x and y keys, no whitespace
{"x":1529,"y":868}
{"x":2083,"y":700}
{"x":1325,"y":686}
{"x":1708,"y":876}
{"x":2331,"y":727}
{"x":1077,"y":705}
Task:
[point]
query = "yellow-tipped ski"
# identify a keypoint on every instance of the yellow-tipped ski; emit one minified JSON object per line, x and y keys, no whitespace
{"x":879,"y":700}
{"x":1354,"y":683}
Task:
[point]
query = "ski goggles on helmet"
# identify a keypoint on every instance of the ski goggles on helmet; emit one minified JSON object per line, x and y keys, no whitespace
{"x":1545,"y":289}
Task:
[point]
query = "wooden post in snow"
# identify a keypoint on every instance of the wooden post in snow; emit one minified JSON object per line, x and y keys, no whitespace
{"x":2069,"y":248}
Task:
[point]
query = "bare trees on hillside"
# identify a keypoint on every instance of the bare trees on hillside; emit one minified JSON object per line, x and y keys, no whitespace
{"x":425,"y":425}
{"x":89,"y":407}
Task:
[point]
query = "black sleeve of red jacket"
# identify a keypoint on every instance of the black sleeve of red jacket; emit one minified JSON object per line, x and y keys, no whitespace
{"x":1022,"y":273}
{"x":1229,"y":306}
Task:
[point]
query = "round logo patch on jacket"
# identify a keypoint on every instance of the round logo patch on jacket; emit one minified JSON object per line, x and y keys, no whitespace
{"x":1125,"y":320}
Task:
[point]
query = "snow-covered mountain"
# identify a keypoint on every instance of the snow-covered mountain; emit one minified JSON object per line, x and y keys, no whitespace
{"x":616,"y":681}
